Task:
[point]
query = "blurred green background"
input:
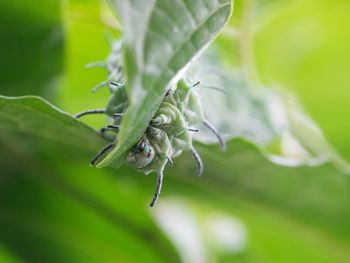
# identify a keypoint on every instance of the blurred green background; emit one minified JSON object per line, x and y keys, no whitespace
{"x":245,"y":208}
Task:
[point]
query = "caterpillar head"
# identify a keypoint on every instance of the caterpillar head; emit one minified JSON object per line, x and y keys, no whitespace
{"x":141,"y":154}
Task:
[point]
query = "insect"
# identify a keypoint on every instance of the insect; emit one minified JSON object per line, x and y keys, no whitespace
{"x":168,"y":134}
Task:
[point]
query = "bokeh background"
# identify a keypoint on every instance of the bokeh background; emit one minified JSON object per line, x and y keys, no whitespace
{"x":249,"y":206}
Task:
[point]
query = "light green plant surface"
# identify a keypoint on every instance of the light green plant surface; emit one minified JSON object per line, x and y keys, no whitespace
{"x":317,"y":69}
{"x":54,"y":207}
{"x":35,"y":116}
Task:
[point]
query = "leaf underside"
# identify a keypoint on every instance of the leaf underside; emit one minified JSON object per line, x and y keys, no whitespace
{"x":33,"y":115}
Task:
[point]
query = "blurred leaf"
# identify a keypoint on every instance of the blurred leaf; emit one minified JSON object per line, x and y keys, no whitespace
{"x":7,"y":256}
{"x":269,"y":115}
{"x":291,"y":214}
{"x":303,"y":46}
{"x":157,"y":48}
{"x":270,"y":118}
{"x":81,"y":20}
{"x":243,"y":173}
{"x":31,"y":47}
{"x":35,"y":116}
{"x":304,"y":208}
{"x":68,"y":214}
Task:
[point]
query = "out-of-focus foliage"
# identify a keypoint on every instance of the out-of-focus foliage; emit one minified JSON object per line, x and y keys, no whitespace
{"x":54,"y":207}
{"x":304,"y":46}
{"x":31,"y":44}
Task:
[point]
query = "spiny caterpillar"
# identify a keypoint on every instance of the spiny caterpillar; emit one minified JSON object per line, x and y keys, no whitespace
{"x":168,"y":133}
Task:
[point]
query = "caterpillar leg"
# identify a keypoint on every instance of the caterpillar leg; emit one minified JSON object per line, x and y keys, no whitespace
{"x":196,"y":84}
{"x":94,"y":64}
{"x":158,"y":188}
{"x":117,"y":115}
{"x":102,"y":153}
{"x":212,"y":128}
{"x":170,"y":160}
{"x":198,"y":160}
{"x":112,"y":128}
{"x":88,"y":112}
{"x":98,"y":86}
{"x":217,"y":89}
{"x":192,"y":129}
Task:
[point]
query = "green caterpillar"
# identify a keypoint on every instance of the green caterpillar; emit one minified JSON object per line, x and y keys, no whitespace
{"x":168,"y":134}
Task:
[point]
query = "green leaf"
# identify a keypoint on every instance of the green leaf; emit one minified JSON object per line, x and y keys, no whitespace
{"x":7,"y":256}
{"x":85,"y":220}
{"x":31,"y":48}
{"x":33,"y":115}
{"x":161,"y":38}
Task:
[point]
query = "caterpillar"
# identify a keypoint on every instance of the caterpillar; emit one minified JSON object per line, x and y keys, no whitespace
{"x":168,"y":134}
